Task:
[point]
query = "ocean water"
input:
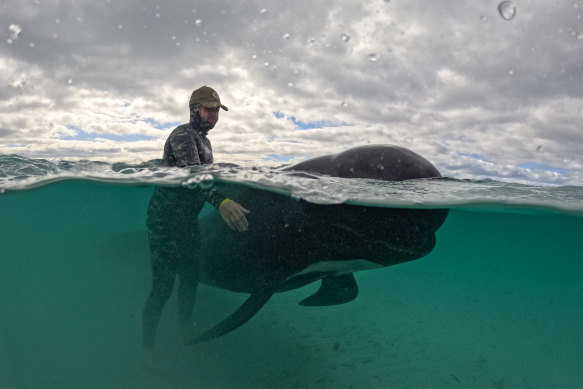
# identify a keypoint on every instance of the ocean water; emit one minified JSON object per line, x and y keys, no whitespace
{"x":497,"y":304}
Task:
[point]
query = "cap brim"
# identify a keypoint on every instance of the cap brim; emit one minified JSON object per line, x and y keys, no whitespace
{"x":214,"y":105}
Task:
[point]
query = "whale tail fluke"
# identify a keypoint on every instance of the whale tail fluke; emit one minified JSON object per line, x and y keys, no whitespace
{"x":333,"y":291}
{"x":245,"y":312}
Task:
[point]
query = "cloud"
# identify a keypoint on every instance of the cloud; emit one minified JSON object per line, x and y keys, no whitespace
{"x":108,"y":80}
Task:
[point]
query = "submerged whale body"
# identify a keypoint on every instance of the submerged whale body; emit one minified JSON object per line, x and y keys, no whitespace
{"x":291,"y":243}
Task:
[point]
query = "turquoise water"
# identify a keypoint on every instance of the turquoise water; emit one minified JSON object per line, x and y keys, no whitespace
{"x":497,"y":304}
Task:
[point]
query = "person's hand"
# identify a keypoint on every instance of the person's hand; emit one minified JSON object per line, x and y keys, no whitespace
{"x":233,"y":214}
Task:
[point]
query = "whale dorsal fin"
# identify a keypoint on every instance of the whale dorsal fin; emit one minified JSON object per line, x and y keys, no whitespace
{"x":333,"y":291}
{"x":245,"y":312}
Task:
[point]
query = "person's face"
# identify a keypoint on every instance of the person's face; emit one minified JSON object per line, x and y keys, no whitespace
{"x":209,"y":115}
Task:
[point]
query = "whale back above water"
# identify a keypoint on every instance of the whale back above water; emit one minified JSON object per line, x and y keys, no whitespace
{"x":291,"y":242}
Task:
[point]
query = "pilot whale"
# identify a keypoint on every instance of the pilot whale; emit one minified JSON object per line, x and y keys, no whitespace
{"x":291,"y":242}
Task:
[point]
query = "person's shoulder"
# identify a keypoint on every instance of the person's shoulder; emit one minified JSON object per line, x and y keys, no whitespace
{"x":181,"y":131}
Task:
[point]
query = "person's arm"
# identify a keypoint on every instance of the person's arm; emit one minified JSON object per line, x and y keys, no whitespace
{"x":185,"y":152}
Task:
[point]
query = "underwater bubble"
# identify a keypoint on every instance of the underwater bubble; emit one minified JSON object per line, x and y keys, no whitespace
{"x":290,"y":84}
{"x":511,"y":72}
{"x":285,"y":36}
{"x":344,"y":104}
{"x":580,"y":36}
{"x":254,"y":57}
{"x":262,"y":11}
{"x":69,"y":81}
{"x":507,"y":10}
{"x":198,"y":22}
{"x":345,"y":37}
{"x":372,"y":57}
{"x":539,"y":148}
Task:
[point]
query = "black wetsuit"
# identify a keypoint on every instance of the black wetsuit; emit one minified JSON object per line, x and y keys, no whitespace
{"x":173,"y":226}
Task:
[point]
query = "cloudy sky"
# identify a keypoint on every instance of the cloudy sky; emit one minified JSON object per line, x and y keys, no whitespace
{"x":480,"y":89}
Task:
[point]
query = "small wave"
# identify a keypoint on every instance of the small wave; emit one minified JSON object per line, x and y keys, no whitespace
{"x":19,"y":173}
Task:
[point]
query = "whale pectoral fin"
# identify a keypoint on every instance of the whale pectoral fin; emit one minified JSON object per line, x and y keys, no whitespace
{"x":245,"y":312}
{"x":333,"y":291}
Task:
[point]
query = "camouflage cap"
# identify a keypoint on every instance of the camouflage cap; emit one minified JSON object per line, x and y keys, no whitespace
{"x":207,"y":97}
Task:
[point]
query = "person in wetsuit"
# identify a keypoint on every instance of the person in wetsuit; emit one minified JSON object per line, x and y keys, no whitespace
{"x":172,"y":218}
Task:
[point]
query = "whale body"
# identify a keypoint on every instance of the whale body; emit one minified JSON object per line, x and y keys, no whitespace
{"x":291,"y":242}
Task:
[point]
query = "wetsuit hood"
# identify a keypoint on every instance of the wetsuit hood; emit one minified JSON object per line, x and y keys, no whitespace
{"x":197,"y":122}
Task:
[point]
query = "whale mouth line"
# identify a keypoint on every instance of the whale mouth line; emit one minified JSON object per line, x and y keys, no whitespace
{"x":405,"y":248}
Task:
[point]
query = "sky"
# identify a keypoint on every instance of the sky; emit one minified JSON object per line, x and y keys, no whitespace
{"x":482,"y":89}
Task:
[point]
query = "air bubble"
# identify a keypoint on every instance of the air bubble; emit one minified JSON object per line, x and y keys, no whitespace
{"x":198,"y":22}
{"x":539,"y":148}
{"x":262,"y":11}
{"x":507,"y":10}
{"x":345,"y":37}
{"x":372,"y":57}
{"x":285,"y":37}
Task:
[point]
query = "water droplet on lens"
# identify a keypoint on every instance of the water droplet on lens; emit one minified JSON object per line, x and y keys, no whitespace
{"x":14,"y":30}
{"x":507,"y":10}
{"x":345,"y":37}
{"x":372,"y":57}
